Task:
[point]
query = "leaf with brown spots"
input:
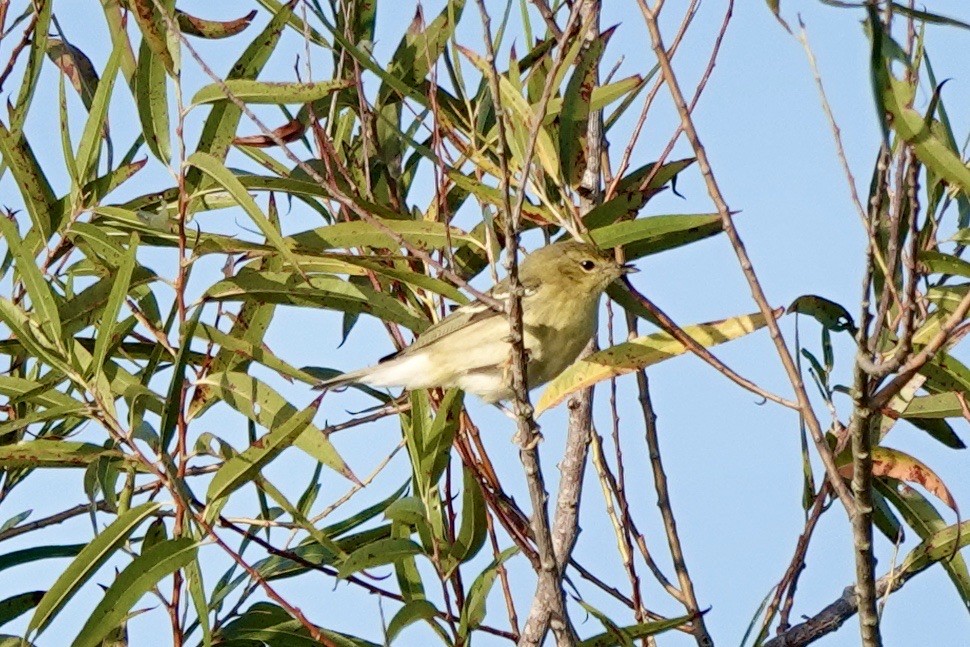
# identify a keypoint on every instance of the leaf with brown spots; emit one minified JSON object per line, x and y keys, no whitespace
{"x":903,"y":467}
{"x":212,"y":28}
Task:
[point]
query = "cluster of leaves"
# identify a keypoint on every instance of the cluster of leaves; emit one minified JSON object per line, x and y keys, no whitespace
{"x":108,"y":374}
{"x":917,"y":220}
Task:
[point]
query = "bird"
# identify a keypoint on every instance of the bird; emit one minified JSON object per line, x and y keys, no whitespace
{"x":470,"y":348}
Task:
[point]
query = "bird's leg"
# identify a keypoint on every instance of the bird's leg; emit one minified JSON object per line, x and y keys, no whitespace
{"x":517,"y":437}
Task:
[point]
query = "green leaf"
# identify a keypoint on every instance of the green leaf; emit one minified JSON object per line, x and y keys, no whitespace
{"x":263,"y":405}
{"x":440,"y":436}
{"x":474,"y":527}
{"x":36,"y":190}
{"x":640,"y":353}
{"x":46,"y":453}
{"x":269,"y":624}
{"x":378,"y":553}
{"x":38,"y":346}
{"x":244,"y":467}
{"x":940,"y":405}
{"x":139,"y":577}
{"x":27,"y":555}
{"x":922,"y":517}
{"x":76,"y":66}
{"x":154,"y":29}
{"x":87,"y":563}
{"x":574,"y":114}
{"x":473,"y":613}
{"x":224,"y":177}
{"x":387,"y":235}
{"x":17,"y":605}
{"x":41,"y":296}
{"x":930,"y":149}
{"x":151,"y":99}
{"x":655,"y":234}
{"x":937,"y":547}
{"x":174,"y":401}
{"x":223,"y":120}
{"x":316,"y":292}
{"x":410,"y":613}
{"x":828,"y":313}
{"x":626,"y":635}
{"x":94,"y":128}
{"x":109,"y":316}
{"x":249,"y":91}
{"x":193,"y":577}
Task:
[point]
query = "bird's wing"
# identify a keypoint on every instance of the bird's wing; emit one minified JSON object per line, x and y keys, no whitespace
{"x":462,"y":317}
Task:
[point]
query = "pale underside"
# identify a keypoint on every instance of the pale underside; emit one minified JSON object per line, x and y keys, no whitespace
{"x":476,"y":359}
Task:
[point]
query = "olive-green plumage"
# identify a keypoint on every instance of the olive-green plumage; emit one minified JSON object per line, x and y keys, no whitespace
{"x":469,"y":348}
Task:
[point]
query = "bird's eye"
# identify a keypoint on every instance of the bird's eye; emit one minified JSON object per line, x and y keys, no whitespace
{"x":587,"y":265}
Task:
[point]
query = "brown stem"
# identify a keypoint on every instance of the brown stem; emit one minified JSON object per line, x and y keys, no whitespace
{"x":757,"y":291}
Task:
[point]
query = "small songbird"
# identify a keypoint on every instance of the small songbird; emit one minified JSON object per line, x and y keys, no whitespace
{"x":470,"y":347}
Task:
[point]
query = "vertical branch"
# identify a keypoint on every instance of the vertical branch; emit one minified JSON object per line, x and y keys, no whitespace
{"x":651,"y":16}
{"x":689,"y":598}
{"x":549,"y":600}
{"x":573,"y":464}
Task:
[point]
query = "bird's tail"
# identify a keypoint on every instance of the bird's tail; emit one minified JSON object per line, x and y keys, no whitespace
{"x":352,"y":377}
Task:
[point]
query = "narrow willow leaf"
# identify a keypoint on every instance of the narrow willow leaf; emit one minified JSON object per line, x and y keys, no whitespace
{"x":830,"y":314}
{"x":137,"y":579}
{"x":441,"y":436}
{"x":38,"y":48}
{"x":930,"y":149}
{"x":109,"y":316}
{"x":95,"y":128}
{"x":244,"y":467}
{"x":473,"y":613}
{"x":86,"y":564}
{"x":903,"y":467}
{"x":474,"y":527}
{"x":655,"y":234}
{"x":28,"y":555}
{"x":412,"y":612}
{"x":939,"y":263}
{"x":939,"y":546}
{"x":212,"y":29}
{"x":151,"y":99}
{"x":640,"y":353}
{"x":317,"y":292}
{"x":223,"y":120}
{"x":240,"y":350}
{"x":379,"y":553}
{"x":269,"y":624}
{"x":249,"y":91}
{"x":388,"y":235}
{"x":949,"y":404}
{"x":46,"y":453}
{"x":37,"y":346}
{"x":154,"y":29}
{"x":574,"y":115}
{"x":193,"y":577}
{"x":922,"y":517}
{"x":76,"y":66}
{"x":173,"y":401}
{"x":17,"y":605}
{"x":41,"y":296}
{"x":634,"y":632}
{"x":218,"y":172}
{"x":522,"y":114}
{"x":261,"y":404}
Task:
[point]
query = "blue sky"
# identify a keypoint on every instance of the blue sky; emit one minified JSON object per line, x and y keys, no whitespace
{"x":733,"y":463}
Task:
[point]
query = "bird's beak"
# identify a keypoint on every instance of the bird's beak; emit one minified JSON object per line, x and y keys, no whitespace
{"x":629,"y":268}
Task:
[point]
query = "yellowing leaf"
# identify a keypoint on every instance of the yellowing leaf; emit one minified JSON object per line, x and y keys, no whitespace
{"x":639,"y":353}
